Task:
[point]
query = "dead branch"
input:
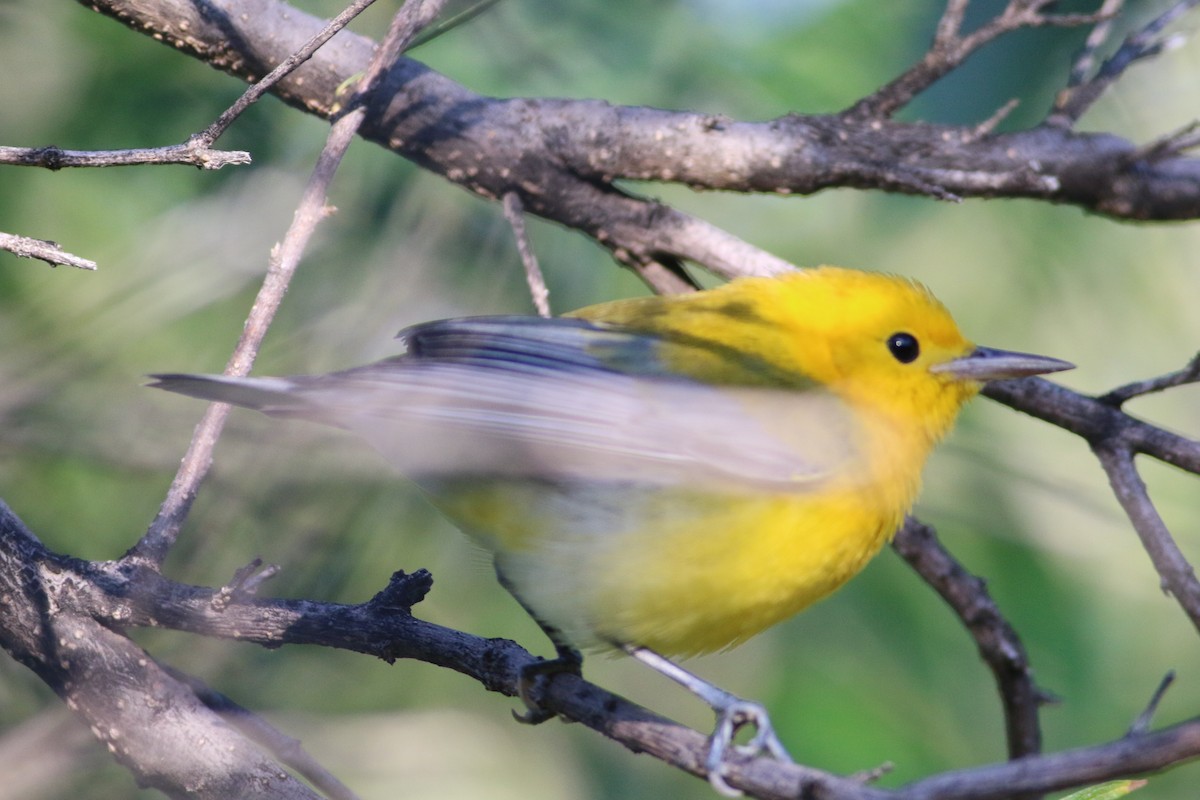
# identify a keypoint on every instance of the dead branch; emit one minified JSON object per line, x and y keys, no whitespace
{"x":42,"y":250}
{"x":999,"y":646}
{"x":951,"y":47}
{"x":145,"y":717}
{"x":285,"y":259}
{"x":1082,"y":92}
{"x":561,"y":157}
{"x":129,"y":595}
{"x":192,"y":153}
{"x":1115,"y":437}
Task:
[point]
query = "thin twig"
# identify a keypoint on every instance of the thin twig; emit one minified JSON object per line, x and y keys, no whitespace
{"x":1173,"y":144}
{"x":246,"y":581}
{"x":261,"y":87}
{"x":156,"y":543}
{"x":451,"y":22}
{"x":514,"y":212}
{"x":196,"y":151}
{"x":412,"y":18}
{"x":950,"y":23}
{"x":1063,"y":770}
{"x":1095,"y":421}
{"x":1115,"y":437}
{"x":1086,"y":60}
{"x":1080,"y":95}
{"x":1123,"y":394}
{"x":989,"y":125}
{"x":192,"y":153}
{"x":1178,"y":576}
{"x":950,"y":48}
{"x":999,"y":645}
{"x":1141,"y":725}
{"x":285,"y":257}
{"x":42,"y":250}
{"x":287,"y":750}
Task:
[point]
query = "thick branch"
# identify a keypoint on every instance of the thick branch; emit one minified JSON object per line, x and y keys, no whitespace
{"x":126,"y":594}
{"x":560,"y":157}
{"x":152,"y":723}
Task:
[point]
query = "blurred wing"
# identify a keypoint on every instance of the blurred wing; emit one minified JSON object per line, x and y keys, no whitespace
{"x":494,"y":398}
{"x":560,"y":343}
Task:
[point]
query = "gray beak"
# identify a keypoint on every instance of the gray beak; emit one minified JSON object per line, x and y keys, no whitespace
{"x":987,"y":364}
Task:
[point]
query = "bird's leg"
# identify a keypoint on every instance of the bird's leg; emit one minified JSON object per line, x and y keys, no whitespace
{"x":567,"y":659}
{"x":733,"y":713}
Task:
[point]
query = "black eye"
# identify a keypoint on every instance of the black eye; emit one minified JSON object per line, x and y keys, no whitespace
{"x":904,"y":347}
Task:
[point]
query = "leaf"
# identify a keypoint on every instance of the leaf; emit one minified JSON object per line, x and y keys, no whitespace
{"x":1107,"y":791}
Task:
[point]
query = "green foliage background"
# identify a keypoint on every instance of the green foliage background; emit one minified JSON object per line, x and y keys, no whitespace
{"x":881,"y":672}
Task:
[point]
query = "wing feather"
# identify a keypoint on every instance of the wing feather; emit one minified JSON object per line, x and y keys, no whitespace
{"x":521,"y":397}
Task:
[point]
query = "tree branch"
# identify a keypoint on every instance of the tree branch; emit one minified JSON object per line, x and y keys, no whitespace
{"x":1081,"y":94}
{"x":145,"y":717}
{"x":999,"y":646}
{"x":192,"y":153}
{"x":50,"y":252}
{"x":285,"y":259}
{"x":1178,"y":576}
{"x":130,"y":595}
{"x":287,"y":750}
{"x":1094,"y":420}
{"x":951,"y":48}
{"x":561,"y":157}
{"x":1123,"y":394}
{"x":534,"y":279}
{"x":1115,"y":437}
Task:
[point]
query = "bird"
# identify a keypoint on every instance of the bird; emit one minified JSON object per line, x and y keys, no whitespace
{"x":666,"y":476}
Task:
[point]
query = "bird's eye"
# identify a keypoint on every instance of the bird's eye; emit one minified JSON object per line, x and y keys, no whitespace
{"x":904,"y":347}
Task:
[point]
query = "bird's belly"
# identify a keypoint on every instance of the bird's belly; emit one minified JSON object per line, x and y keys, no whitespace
{"x":679,"y":571}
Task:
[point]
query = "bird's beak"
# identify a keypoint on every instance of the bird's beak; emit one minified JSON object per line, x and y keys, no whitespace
{"x":987,"y":364}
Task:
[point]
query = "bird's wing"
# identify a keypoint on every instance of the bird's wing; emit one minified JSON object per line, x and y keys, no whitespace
{"x":500,"y":397}
{"x":560,"y":344}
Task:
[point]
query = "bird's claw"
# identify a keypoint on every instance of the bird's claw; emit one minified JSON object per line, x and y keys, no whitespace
{"x":730,"y":720}
{"x":567,"y":661}
{"x":532,"y":715}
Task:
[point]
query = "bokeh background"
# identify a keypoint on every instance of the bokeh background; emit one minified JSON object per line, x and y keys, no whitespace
{"x":881,"y":672}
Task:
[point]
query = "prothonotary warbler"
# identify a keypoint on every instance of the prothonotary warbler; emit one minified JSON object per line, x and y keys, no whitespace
{"x":667,"y":476}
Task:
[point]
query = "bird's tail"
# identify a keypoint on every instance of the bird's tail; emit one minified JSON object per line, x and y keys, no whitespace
{"x":276,"y":396}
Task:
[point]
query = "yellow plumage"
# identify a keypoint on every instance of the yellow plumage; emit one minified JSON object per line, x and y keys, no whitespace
{"x":686,"y":570}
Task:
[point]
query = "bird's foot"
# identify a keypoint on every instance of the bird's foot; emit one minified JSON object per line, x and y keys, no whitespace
{"x":732,"y":716}
{"x":568,"y":660}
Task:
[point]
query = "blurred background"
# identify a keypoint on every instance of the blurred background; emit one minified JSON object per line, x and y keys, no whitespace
{"x":881,"y":672}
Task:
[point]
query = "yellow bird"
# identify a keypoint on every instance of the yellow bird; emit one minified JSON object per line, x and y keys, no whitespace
{"x":667,"y":476}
